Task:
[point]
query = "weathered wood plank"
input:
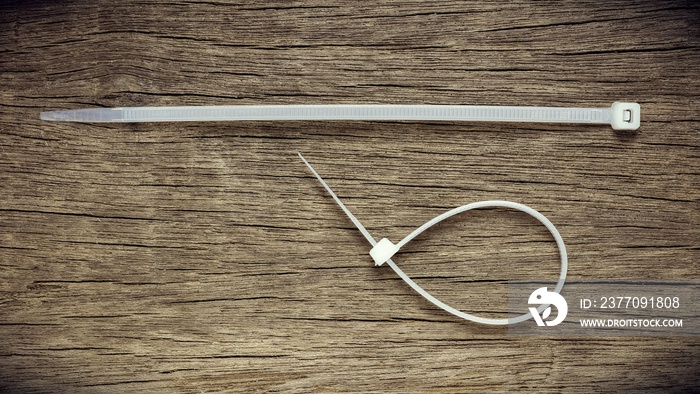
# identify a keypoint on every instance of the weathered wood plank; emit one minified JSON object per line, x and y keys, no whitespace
{"x":204,"y":257}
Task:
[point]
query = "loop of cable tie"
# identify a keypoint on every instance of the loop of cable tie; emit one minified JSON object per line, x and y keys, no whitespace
{"x":383,"y":250}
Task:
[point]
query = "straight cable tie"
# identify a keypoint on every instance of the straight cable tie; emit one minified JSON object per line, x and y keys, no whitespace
{"x":621,"y":115}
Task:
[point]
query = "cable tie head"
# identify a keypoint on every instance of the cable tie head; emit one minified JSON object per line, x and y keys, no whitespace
{"x":383,"y":251}
{"x":625,"y":116}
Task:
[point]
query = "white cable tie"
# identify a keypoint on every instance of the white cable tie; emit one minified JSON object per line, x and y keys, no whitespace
{"x":383,"y":250}
{"x":621,"y":115}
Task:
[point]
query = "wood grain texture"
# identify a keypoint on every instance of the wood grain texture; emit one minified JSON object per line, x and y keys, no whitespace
{"x":205,"y":258}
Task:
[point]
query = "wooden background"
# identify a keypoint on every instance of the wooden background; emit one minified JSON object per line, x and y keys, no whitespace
{"x":203,"y":257}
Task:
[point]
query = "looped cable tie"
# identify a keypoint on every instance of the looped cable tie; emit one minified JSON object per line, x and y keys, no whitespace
{"x":384,"y":250}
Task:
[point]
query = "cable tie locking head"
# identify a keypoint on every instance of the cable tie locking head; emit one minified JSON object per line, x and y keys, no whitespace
{"x":383,"y":251}
{"x":625,"y":116}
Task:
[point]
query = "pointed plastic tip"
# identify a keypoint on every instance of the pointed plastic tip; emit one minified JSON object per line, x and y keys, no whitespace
{"x":54,"y":116}
{"x":308,"y":165}
{"x":85,"y":115}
